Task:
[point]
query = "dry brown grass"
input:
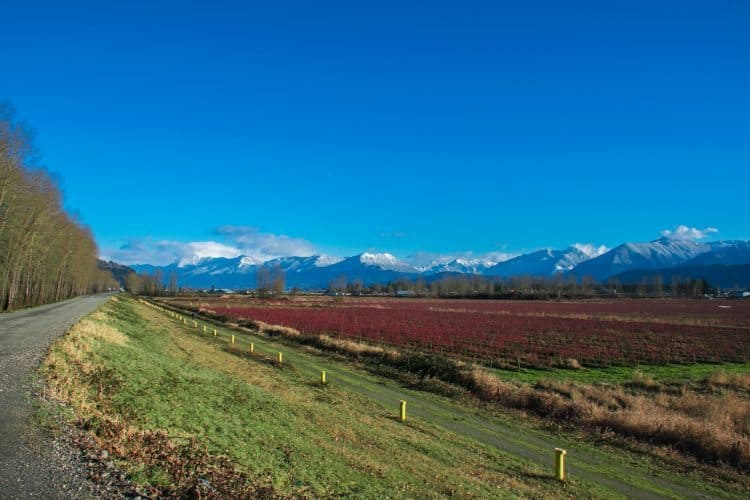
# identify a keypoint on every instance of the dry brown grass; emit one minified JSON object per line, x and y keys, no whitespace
{"x":729,"y":380}
{"x":347,"y":346}
{"x":573,"y":364}
{"x":357,"y":348}
{"x":275,"y":330}
{"x":709,"y":433}
{"x":644,"y":382}
{"x":713,"y":428}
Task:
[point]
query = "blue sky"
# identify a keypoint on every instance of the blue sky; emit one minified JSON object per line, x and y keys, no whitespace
{"x":408,"y":127}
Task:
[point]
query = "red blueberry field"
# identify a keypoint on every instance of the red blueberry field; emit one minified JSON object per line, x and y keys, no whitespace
{"x":595,"y":333}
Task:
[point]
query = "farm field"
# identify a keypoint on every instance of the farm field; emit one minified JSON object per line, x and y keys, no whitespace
{"x":517,"y":334}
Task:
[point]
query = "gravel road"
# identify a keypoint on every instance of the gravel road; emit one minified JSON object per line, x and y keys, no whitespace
{"x":33,"y":463}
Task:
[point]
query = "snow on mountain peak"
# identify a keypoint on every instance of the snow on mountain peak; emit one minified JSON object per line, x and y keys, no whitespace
{"x":326,"y":260}
{"x":475,"y":262}
{"x":667,"y":248}
{"x":192,"y":260}
{"x":461,"y":265}
{"x":247,"y":261}
{"x":590,"y":250}
{"x":385,"y":261}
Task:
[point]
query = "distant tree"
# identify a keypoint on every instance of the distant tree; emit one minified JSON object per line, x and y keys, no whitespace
{"x":338,"y":285}
{"x":642,"y":287}
{"x":677,"y":287}
{"x":356,"y":287}
{"x":134,"y":283}
{"x":172,"y":283}
{"x":158,"y":282}
{"x":263,"y":281}
{"x":277,"y":280}
{"x":659,"y":285}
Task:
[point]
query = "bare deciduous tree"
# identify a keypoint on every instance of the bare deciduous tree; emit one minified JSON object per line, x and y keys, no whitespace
{"x":45,"y":255}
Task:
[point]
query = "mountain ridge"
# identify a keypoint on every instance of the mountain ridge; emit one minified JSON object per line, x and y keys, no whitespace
{"x":369,"y":268}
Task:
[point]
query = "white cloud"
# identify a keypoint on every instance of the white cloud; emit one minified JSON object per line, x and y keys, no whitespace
{"x":198,"y":250}
{"x":163,"y":252}
{"x":238,"y":241}
{"x":591,"y":250}
{"x":683,"y":232}
{"x":266,"y":245}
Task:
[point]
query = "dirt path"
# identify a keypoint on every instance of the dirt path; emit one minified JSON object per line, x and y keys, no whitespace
{"x":32,"y":463}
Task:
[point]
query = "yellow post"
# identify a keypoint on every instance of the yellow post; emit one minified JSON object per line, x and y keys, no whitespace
{"x":403,"y":410}
{"x":214,"y":332}
{"x":281,"y":358}
{"x":232,"y":339}
{"x":323,"y":377}
{"x":252,"y":347}
{"x":560,"y":464}
{"x":195,"y":323}
{"x":205,"y":329}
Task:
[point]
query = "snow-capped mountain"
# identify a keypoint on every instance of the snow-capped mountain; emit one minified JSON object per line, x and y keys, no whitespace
{"x":219,"y":265}
{"x":726,"y":264}
{"x":384,"y":261}
{"x":723,"y":252}
{"x":318,"y":271}
{"x":302,"y":264}
{"x":662,"y":253}
{"x":367,"y":268}
{"x":465,"y":266}
{"x":540,"y":263}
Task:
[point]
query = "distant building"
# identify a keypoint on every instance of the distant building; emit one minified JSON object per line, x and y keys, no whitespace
{"x":739,"y":294}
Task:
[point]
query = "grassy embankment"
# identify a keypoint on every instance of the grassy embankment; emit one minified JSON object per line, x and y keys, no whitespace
{"x":179,"y":412}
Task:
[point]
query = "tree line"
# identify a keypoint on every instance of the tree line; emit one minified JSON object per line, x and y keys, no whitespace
{"x":45,"y":254}
{"x":270,"y":282}
{"x":152,"y":285}
{"x":523,"y":287}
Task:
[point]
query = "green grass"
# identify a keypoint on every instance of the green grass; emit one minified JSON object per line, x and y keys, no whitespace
{"x":134,"y":365}
{"x":620,"y":374}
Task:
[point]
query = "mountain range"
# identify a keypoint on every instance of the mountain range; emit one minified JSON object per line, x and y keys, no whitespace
{"x":118,"y":271}
{"x":629,"y":262}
